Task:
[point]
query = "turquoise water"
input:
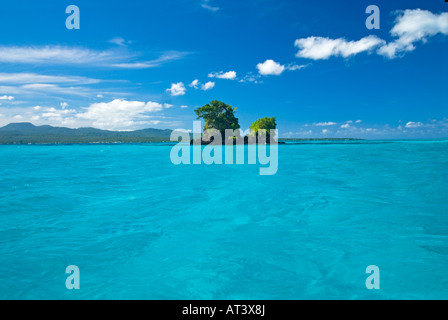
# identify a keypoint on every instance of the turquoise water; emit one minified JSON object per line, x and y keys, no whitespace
{"x":139,"y":227}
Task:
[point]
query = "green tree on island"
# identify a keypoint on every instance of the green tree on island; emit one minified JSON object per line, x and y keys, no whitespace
{"x":219,"y":116}
{"x":268,"y":124}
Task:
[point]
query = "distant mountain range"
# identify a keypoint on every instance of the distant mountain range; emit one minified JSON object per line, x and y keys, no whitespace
{"x":25,"y":133}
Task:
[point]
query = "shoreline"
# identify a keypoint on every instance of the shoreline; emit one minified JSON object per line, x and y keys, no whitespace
{"x":280,"y":142}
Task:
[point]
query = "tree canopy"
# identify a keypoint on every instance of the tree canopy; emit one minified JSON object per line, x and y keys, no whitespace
{"x":218,"y":115}
{"x":267,"y":124}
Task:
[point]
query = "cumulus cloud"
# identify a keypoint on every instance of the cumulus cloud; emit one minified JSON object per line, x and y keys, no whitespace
{"x":413,"y":26}
{"x":177,"y":89}
{"x":55,"y":113}
{"x":120,"y":114}
{"x":208,"y":86}
{"x":410,"y":27}
{"x":9,"y":98}
{"x":230,"y":75}
{"x":64,"y":105}
{"x":195,"y":84}
{"x":319,"y":48}
{"x":270,"y":67}
{"x":41,"y":115}
{"x":345,"y":126}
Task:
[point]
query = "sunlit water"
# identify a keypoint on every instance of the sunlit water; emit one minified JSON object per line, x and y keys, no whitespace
{"x":139,"y":227}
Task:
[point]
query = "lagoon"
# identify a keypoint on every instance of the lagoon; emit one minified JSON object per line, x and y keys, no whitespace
{"x":139,"y":227}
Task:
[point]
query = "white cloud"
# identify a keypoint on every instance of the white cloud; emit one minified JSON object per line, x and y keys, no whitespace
{"x":194,"y":84}
{"x":134,"y":65}
{"x":183,"y":130}
{"x":414,"y":124}
{"x":56,"y":113}
{"x":206,"y":5}
{"x":230,"y":75}
{"x":120,"y":42}
{"x":23,"y":78}
{"x":183,"y":107}
{"x":358,"y":121}
{"x":9,"y":98}
{"x":270,"y":67}
{"x":251,"y":78}
{"x":294,"y":67}
{"x":412,"y":26}
{"x":51,"y":89}
{"x":31,"y":86}
{"x":63,"y":55}
{"x":318,"y":48}
{"x":120,"y":114}
{"x":41,"y":115}
{"x":177,"y":89}
{"x":431,"y":129}
{"x":324,"y":131}
{"x":64,"y":105}
{"x":324,"y":124}
{"x":208,"y":86}
{"x":54,"y":55}
{"x":165,"y":57}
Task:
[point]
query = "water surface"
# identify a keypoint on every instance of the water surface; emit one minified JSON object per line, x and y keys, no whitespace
{"x":139,"y":227}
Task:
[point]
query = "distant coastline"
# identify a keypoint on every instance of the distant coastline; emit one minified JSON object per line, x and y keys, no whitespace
{"x":27,"y":133}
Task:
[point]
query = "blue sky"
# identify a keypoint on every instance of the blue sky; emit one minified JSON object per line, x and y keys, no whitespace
{"x":313,"y":65}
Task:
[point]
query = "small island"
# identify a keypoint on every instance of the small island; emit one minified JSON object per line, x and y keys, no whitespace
{"x":219,"y":117}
